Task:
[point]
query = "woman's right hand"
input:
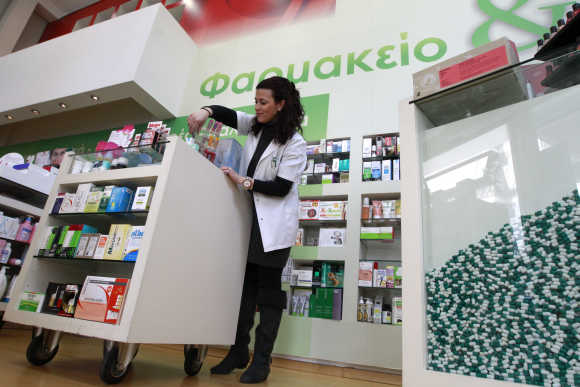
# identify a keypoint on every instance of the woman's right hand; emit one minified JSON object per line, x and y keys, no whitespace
{"x":195,"y":121}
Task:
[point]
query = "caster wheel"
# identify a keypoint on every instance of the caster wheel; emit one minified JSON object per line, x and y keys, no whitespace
{"x":111,"y":372}
{"x":37,"y":353}
{"x":194,"y":357}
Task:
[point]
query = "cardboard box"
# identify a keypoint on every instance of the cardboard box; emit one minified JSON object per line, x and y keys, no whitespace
{"x":118,"y":234}
{"x":367,"y":147}
{"x":397,"y":306}
{"x":102,"y":299}
{"x":376,"y":170}
{"x":309,"y":210}
{"x":93,"y":201}
{"x":67,"y":205}
{"x":367,"y":170}
{"x":328,"y":178}
{"x":365,"y":274}
{"x":379,"y":278}
{"x":101,"y":247}
{"x":31,"y":301}
{"x":133,"y":242}
{"x":106,"y":197}
{"x":462,"y":68}
{"x":331,"y":210}
{"x":142,"y":198}
{"x":386,"y":175}
{"x":302,"y":277}
{"x":120,"y":201}
{"x":396,"y":169}
{"x":81,"y":196}
{"x":332,"y":237}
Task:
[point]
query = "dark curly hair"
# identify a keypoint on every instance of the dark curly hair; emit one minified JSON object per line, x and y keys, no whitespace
{"x":289,"y":119}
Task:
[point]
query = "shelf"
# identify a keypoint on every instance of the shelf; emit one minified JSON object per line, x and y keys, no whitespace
{"x":381,"y":221}
{"x":381,"y":158}
{"x":20,"y":207}
{"x":332,"y":155}
{"x":31,"y":196}
{"x":373,"y":287}
{"x":563,"y":39}
{"x":138,"y":176}
{"x":129,"y":214}
{"x":64,"y":259}
{"x":325,"y":173}
{"x":320,"y":222}
{"x":381,"y":325}
{"x":316,"y":253}
{"x":15,"y":241}
{"x":381,"y":260}
{"x":316,"y":287}
{"x":335,"y":191}
{"x":566,"y":74}
{"x":69,"y":325}
{"x":381,"y":187}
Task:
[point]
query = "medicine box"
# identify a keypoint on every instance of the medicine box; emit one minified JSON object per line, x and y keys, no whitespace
{"x":102,"y":299}
{"x":120,"y":200}
{"x":365,"y":274}
{"x":142,"y":198}
{"x":309,"y":210}
{"x":331,"y":210}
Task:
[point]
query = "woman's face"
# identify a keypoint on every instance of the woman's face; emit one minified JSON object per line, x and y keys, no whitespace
{"x":266,"y":106}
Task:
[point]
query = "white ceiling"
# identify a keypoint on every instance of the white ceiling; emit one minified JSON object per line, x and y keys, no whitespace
{"x":57,"y":9}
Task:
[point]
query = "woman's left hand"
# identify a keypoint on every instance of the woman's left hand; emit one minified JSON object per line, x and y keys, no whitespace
{"x":232,"y":174}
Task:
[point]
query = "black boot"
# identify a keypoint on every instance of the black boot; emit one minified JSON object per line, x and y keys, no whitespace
{"x":239,"y":354}
{"x":270,"y":306}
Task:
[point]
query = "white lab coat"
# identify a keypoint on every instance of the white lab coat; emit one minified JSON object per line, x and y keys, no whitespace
{"x":277,"y":216}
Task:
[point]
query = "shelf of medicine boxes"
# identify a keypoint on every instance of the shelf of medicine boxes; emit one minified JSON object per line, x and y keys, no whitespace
{"x":386,"y":147}
{"x":301,"y":289}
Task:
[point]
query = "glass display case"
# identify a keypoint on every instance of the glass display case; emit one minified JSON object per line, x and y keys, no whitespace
{"x":492,"y":218}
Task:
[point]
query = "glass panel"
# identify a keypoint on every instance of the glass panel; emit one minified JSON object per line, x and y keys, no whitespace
{"x":82,"y":23}
{"x":523,"y":82}
{"x":127,"y":7}
{"x":104,"y":15}
{"x":500,"y":212}
{"x":129,"y":157}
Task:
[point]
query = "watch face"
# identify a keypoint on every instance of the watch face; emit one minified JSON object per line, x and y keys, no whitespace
{"x":247,"y":183}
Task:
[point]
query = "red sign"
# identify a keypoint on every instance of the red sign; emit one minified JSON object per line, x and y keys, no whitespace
{"x":203,"y":20}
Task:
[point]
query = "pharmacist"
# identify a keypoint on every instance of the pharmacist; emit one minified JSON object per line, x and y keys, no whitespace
{"x":273,"y":159}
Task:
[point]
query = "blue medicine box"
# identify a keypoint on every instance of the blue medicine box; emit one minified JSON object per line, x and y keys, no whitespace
{"x":120,"y":200}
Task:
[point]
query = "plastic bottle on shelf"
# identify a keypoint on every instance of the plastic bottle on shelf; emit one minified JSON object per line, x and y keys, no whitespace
{"x":6,"y":251}
{"x":3,"y":281}
{"x":366,"y":209}
{"x":10,"y":287}
{"x":361,"y":309}
{"x":25,"y":230}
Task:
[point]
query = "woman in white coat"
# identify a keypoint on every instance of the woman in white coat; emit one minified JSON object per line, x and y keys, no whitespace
{"x":274,"y":156}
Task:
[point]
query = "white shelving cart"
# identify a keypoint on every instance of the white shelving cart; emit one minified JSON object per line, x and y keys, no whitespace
{"x":20,"y":196}
{"x":186,"y":283}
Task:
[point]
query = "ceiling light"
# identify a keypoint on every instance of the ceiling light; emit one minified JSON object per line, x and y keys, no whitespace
{"x":63,"y":105}
{"x":95,"y":97}
{"x":9,"y":116}
{"x":35,"y":111}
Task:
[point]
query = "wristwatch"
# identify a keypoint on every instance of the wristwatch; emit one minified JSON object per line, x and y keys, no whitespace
{"x":247,"y":183}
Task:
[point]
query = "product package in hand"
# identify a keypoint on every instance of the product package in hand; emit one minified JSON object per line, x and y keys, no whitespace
{"x":228,"y":154}
{"x":208,"y":138}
